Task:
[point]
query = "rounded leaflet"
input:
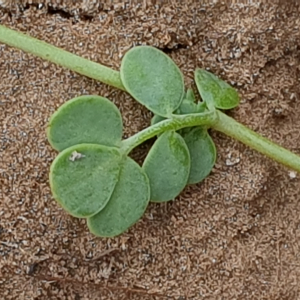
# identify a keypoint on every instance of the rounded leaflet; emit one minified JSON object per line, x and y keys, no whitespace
{"x":214,"y":91}
{"x":85,"y":119}
{"x":167,"y":166}
{"x":127,"y":204}
{"x":153,"y":79}
{"x":83,"y":178}
{"x":202,"y":152}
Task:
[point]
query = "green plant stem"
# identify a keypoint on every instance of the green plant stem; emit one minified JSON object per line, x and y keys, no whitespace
{"x":218,"y":120}
{"x":60,"y":57}
{"x":234,"y":129}
{"x":175,"y":123}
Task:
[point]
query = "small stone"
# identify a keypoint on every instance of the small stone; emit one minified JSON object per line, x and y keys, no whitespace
{"x":75,"y":155}
{"x":292,"y":174}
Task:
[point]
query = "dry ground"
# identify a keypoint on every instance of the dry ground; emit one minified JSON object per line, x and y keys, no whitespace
{"x":234,"y":236}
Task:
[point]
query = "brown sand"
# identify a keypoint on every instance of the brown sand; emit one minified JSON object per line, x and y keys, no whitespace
{"x":234,"y":236}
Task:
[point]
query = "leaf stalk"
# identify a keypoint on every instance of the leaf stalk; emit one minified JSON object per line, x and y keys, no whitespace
{"x":60,"y":57}
{"x":175,"y":123}
{"x":236,"y":130}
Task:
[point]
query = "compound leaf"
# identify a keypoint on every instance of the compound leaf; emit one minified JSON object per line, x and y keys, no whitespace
{"x":167,"y":166}
{"x":214,"y":91}
{"x":202,"y":152}
{"x":153,"y":79}
{"x":83,"y":177}
{"x":127,"y":204}
{"x":86,"y":119}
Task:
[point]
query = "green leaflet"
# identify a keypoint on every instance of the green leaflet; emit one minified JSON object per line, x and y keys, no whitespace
{"x":127,"y":204}
{"x":188,"y":107}
{"x":188,"y":104}
{"x":167,"y":166}
{"x":83,"y":177}
{"x":202,"y":152}
{"x":214,"y":91}
{"x":153,"y":79}
{"x":86,"y":119}
{"x":156,"y":119}
{"x":190,"y":96}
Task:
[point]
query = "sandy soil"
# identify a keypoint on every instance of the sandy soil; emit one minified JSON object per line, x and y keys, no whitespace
{"x":234,"y":236}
